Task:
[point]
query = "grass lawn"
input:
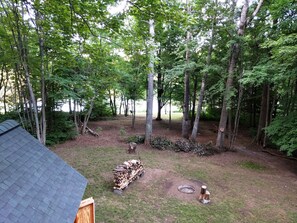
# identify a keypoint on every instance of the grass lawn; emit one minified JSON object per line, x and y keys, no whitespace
{"x":242,"y":189}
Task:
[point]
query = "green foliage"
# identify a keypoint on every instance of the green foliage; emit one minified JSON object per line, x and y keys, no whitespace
{"x":161,"y":143}
{"x":9,"y":115}
{"x":282,"y":131}
{"x":251,"y":165}
{"x":139,"y":139}
{"x":100,"y":109}
{"x":210,"y":113}
{"x":62,"y":129}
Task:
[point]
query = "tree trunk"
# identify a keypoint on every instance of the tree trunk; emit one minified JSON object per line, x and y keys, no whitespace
{"x":75,"y":116}
{"x":194,"y":100}
{"x":133,"y":114}
{"x":235,"y":48}
{"x":263,"y":113}
{"x":114,"y":103}
{"x":126,"y":103}
{"x":42,"y":69}
{"x":170,"y":106}
{"x":160,"y":91}
{"x":20,"y":43}
{"x":203,"y":83}
{"x":150,"y":87}
{"x":5,"y":91}
{"x":237,"y":115}
{"x":226,"y":99}
{"x":87,"y":116}
{"x":111,"y":103}
{"x":185,"y":124}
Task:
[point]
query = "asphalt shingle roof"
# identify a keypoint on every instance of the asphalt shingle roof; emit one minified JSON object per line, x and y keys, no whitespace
{"x":35,"y":184}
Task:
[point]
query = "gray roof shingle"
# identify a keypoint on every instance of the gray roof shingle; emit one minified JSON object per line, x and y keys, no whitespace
{"x":35,"y":184}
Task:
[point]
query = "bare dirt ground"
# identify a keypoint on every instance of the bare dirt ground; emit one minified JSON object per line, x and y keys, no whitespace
{"x":282,"y":171}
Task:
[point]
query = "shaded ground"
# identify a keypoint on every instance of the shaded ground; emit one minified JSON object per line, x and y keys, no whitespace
{"x":272,"y":188}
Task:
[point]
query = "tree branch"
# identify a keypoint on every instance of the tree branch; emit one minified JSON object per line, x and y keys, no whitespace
{"x":249,"y":19}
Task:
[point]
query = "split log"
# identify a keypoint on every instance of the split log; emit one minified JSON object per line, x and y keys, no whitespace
{"x":132,"y":147}
{"x":204,"y":196}
{"x":126,"y":173}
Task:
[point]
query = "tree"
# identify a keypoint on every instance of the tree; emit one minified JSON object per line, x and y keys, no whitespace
{"x":235,"y":49}
{"x":204,"y":77}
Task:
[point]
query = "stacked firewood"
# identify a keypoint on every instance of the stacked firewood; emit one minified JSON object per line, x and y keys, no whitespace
{"x":126,"y":173}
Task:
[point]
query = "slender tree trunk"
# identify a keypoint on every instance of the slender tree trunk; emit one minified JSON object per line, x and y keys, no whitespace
{"x":237,"y":115}
{"x":185,"y":124}
{"x":22,"y":53}
{"x":75,"y":116}
{"x":263,"y":113}
{"x":194,"y":100}
{"x":160,"y":91}
{"x":150,"y":88}
{"x":111,"y":103}
{"x":87,"y":116}
{"x":121,"y":105}
{"x":42,"y":69}
{"x":114,"y":103}
{"x":267,"y":115}
{"x":2,"y":77}
{"x":126,"y":101}
{"x":5,"y":91}
{"x":133,"y":115}
{"x":203,"y":83}
{"x":170,"y":106}
{"x":229,"y":125}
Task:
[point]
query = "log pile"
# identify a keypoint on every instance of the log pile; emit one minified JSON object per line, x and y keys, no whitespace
{"x":126,"y":173}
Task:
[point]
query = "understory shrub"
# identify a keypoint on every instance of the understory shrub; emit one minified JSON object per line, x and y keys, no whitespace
{"x":139,"y":139}
{"x":9,"y":115}
{"x":282,"y":131}
{"x":61,"y":129}
{"x":161,"y":143}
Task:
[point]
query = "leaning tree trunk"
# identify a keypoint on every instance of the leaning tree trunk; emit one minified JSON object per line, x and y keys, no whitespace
{"x":232,"y":65}
{"x":244,"y":21}
{"x":87,"y":116}
{"x":150,"y":87}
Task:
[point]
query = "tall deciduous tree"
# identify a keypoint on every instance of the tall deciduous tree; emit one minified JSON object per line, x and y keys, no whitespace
{"x":235,"y":49}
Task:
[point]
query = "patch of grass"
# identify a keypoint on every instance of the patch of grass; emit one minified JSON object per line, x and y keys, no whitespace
{"x":231,"y":200}
{"x":192,"y":173}
{"x":293,"y":216}
{"x":251,"y":165}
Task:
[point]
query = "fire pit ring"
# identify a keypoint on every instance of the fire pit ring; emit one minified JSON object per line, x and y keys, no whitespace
{"x":187,"y":189}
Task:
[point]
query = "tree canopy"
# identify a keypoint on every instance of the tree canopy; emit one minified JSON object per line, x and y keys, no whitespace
{"x":209,"y":57}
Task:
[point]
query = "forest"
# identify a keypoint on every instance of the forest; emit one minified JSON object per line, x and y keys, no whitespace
{"x":229,"y":61}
